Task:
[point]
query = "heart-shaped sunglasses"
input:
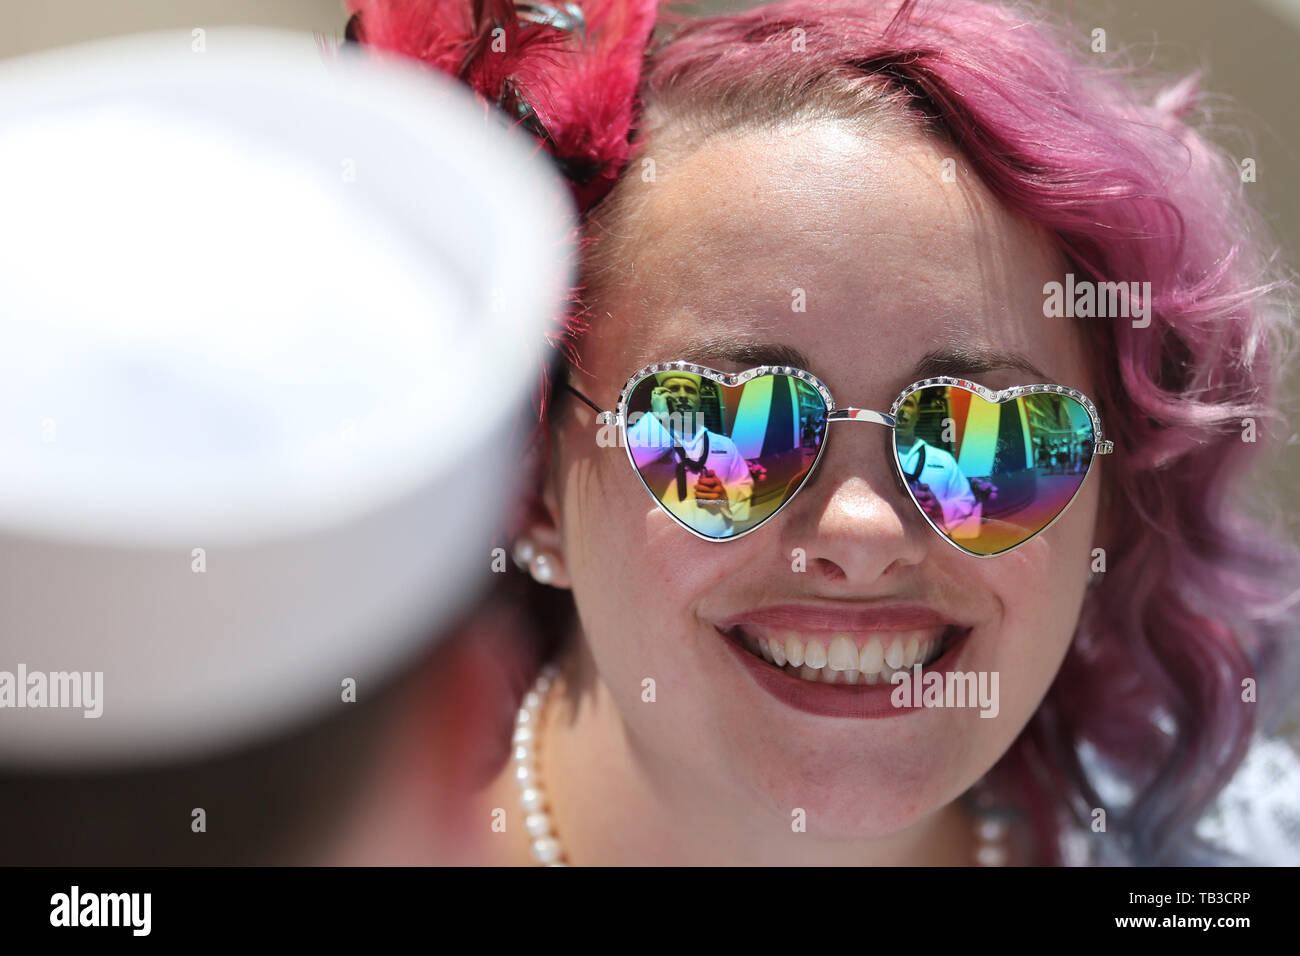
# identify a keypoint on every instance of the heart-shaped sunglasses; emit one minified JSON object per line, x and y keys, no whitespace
{"x":723,"y":453}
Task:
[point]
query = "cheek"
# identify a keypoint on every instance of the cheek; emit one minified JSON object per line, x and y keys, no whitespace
{"x":1040,"y":589}
{"x":637,"y":577}
{"x":613,"y":557}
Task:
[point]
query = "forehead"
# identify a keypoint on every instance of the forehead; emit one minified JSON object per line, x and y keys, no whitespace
{"x":863,"y":253}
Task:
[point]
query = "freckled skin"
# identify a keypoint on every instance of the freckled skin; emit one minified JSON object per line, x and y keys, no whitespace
{"x":894,"y":262}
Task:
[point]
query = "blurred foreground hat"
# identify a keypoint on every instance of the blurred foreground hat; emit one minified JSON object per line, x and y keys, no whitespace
{"x":266,"y":321}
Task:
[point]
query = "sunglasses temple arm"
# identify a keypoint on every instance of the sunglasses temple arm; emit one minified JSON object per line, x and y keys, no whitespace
{"x":594,"y":407}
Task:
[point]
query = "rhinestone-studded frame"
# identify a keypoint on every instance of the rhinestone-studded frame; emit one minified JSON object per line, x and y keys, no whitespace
{"x":618,"y":417}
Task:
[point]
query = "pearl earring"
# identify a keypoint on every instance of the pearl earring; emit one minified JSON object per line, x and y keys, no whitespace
{"x":542,"y":569}
{"x":523,"y":552}
{"x":540,"y":564}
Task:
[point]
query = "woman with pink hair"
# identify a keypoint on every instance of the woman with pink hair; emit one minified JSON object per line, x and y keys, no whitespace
{"x":856,"y":211}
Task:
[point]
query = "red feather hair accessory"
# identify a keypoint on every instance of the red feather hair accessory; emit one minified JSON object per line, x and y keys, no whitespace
{"x":567,"y":72}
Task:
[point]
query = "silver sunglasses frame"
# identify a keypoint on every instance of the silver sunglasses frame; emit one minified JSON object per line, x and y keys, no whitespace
{"x":835,"y":413}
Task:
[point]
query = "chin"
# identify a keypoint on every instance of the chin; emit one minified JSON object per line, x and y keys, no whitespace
{"x":869,"y":794}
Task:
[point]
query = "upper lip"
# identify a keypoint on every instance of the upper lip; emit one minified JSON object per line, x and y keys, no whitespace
{"x":805,"y":617}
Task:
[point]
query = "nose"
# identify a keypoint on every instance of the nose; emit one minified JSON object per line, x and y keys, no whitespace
{"x":853,"y":518}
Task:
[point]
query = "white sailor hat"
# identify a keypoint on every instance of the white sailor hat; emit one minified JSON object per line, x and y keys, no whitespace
{"x":245,"y":291}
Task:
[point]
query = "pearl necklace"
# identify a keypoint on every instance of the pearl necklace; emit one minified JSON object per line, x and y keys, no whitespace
{"x":990,"y":830}
{"x":532,"y":799}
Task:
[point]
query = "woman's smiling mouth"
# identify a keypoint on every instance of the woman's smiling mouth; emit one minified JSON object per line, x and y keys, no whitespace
{"x":840,"y":662}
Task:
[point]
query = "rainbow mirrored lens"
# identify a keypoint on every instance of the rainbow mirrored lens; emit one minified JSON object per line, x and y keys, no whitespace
{"x":722,"y":459}
{"x":990,"y":476}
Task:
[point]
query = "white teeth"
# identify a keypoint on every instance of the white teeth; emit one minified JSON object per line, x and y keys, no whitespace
{"x":778,"y":652}
{"x":842,"y":656}
{"x":894,"y":656}
{"x":814,"y":655}
{"x":872,"y":657}
{"x":794,"y":650}
{"x":840,"y":661}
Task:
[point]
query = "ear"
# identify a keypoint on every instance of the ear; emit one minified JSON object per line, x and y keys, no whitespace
{"x":539,"y":518}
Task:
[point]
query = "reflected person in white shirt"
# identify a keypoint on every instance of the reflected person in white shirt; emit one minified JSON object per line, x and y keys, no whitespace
{"x":699,"y":475}
{"x":936,"y":479}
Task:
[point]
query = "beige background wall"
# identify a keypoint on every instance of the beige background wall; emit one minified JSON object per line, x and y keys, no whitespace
{"x":39,"y":24}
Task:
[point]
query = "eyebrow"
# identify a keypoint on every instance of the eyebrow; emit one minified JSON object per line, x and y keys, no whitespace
{"x":962,"y":361}
{"x":965,"y":360}
{"x":745,"y":353}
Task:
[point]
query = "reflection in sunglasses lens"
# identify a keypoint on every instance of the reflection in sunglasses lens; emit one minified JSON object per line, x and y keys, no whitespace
{"x":992,"y":476}
{"x":722,"y":459}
